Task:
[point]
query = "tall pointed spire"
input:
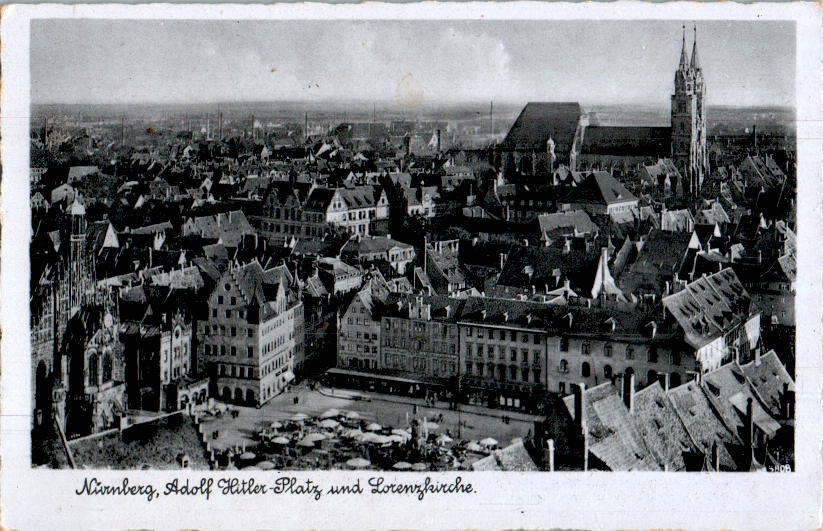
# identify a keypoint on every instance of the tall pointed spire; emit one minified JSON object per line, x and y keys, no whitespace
{"x":684,"y":59}
{"x":695,"y":59}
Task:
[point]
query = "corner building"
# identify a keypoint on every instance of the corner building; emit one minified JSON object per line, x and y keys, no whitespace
{"x":248,"y":342}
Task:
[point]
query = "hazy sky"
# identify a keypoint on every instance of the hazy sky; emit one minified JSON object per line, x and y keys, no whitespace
{"x":104,"y":61}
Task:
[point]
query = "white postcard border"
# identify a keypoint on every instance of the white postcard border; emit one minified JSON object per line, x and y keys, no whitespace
{"x":45,"y":499}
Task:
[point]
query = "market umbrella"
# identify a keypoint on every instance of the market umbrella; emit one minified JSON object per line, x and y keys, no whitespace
{"x":329,"y":413}
{"x":367,"y":437}
{"x":419,"y":467}
{"x":305,"y":442}
{"x":473,"y":447}
{"x":298,"y":417}
{"x":246,"y":456}
{"x":314,"y":437}
{"x":352,"y":415}
{"x":266,"y":465}
{"x":352,"y":433}
{"x":488,"y":441}
{"x":397,"y":438}
{"x":280,"y":440}
{"x":444,"y":439}
{"x":276,"y":425}
{"x":358,"y":462}
{"x":401,"y":432}
{"x":329,"y":424}
{"x":402,"y":465}
{"x":374,"y":427}
{"x":382,"y":439}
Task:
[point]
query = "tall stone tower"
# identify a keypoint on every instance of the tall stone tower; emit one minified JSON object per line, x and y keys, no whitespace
{"x":77,"y":266}
{"x":689,"y":150}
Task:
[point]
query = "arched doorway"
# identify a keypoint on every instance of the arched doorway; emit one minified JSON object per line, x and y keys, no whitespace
{"x":238,"y":395}
{"x":585,"y":370}
{"x":226,"y":394}
{"x":250,"y":399}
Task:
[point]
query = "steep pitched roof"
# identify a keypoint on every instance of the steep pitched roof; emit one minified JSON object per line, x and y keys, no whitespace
{"x":540,"y":120}
{"x":729,"y":390}
{"x":613,"y":436}
{"x":627,"y":141}
{"x":708,"y":306}
{"x":702,"y":422}
{"x":600,"y":188}
{"x":661,"y":427}
{"x":768,"y":376}
{"x":512,"y":458}
{"x":576,"y":219}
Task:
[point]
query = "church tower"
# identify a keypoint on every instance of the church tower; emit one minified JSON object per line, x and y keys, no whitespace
{"x":689,"y":150}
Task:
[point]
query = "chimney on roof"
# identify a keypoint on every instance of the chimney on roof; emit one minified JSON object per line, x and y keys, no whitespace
{"x":628,"y":391}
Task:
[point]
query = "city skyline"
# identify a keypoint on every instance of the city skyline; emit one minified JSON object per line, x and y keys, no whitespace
{"x":82,"y":61}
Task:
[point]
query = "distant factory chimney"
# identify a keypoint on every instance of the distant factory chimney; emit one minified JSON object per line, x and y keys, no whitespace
{"x":491,"y":118}
{"x":306,"y":126}
{"x":437,"y":140}
{"x":220,"y":124}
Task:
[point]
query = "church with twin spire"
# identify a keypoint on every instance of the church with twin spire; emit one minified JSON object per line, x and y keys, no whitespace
{"x":688,"y":110}
{"x":547,"y":135}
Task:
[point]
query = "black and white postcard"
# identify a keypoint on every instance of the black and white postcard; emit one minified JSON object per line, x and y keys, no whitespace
{"x":411,"y":266}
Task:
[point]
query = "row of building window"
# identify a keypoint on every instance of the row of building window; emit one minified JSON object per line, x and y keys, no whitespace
{"x":502,"y":335}
{"x":221,"y":330}
{"x":236,"y":371}
{"x":214,"y":350}
{"x":511,"y":373}
{"x":499,"y":352}
{"x":273,"y":365}
{"x":420,"y":345}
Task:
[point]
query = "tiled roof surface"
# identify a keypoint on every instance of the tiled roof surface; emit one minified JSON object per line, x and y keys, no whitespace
{"x":600,"y":188}
{"x":661,"y":427}
{"x":701,"y":422}
{"x":538,"y":121}
{"x":627,"y":141}
{"x":709,"y":305}
{"x":768,"y":376}
{"x":512,"y":458}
